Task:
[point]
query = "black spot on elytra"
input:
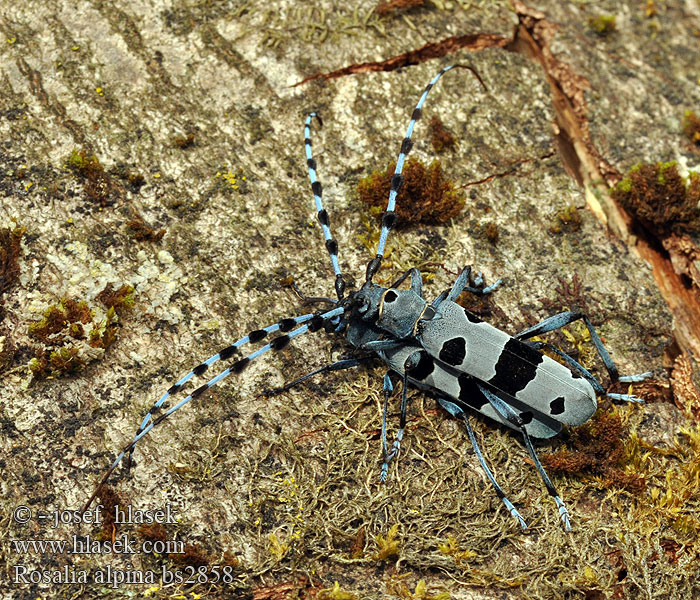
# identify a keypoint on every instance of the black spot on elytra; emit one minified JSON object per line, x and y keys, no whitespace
{"x":516,"y":367}
{"x":556,"y":406}
{"x":471,"y":317}
{"x":526,"y":417}
{"x":470,"y":393}
{"x":453,"y":351}
{"x":424,"y":367}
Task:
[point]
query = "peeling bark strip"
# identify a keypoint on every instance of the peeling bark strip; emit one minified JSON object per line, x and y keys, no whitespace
{"x":532,"y":38}
{"x":439,"y":49}
{"x":586,"y":164}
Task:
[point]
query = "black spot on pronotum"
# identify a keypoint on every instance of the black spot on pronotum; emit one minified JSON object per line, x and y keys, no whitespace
{"x":201,"y":368}
{"x":556,"y":406}
{"x":228,"y":352}
{"x":286,"y":325}
{"x":256,"y":335}
{"x":317,"y":188}
{"x":453,"y":351}
{"x":390,"y":296}
{"x":323,"y":217}
{"x":516,"y":367}
{"x":279,"y":342}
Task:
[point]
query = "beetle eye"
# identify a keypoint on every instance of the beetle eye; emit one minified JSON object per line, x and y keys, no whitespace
{"x":363,"y":309}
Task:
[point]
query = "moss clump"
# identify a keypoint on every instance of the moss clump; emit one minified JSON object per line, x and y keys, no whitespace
{"x":184,"y":141}
{"x":440,"y":137}
{"x":109,"y":499}
{"x":142,"y":231}
{"x":335,"y":593}
{"x":68,"y":330}
{"x":99,"y":187}
{"x":60,"y":317}
{"x":602,"y":25}
{"x":388,"y":546}
{"x":598,"y":448}
{"x":566,"y":220}
{"x":9,"y":256}
{"x":120,"y":300}
{"x":691,"y":126}
{"x":660,"y":198}
{"x":425,"y":196}
{"x":491,"y":232}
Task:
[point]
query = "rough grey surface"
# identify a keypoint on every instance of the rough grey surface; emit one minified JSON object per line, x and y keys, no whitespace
{"x":288,"y":485}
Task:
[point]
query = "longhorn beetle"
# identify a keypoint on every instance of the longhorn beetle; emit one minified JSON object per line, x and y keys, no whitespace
{"x":436,"y":346}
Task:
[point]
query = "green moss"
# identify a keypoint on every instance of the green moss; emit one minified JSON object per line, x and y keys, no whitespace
{"x":388,"y":546}
{"x":660,"y":198}
{"x":426,"y":196}
{"x":10,"y":252}
{"x":691,"y":126}
{"x":335,"y":593}
{"x":566,"y":220}
{"x":99,"y":187}
{"x":603,"y":24}
{"x":625,"y":185}
{"x":440,"y":137}
{"x":68,"y":330}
